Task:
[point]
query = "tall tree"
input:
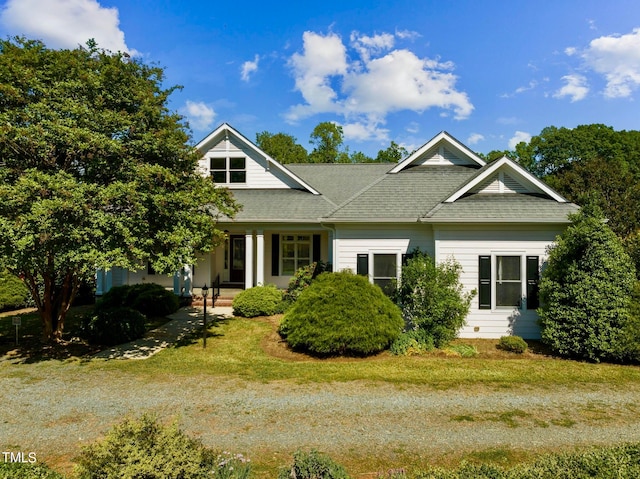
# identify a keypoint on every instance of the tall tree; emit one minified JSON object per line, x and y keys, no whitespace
{"x":394,"y":153}
{"x":282,"y":147}
{"x":327,"y":138}
{"x":95,"y":173}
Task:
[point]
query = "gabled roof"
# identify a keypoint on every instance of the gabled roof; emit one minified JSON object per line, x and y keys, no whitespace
{"x":521,"y":175}
{"x":441,"y":141}
{"x":225,"y":129}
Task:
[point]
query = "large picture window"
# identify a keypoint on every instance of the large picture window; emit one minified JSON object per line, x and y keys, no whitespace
{"x":228,"y":170}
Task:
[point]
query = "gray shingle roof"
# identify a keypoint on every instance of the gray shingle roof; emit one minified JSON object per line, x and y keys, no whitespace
{"x":280,"y":205}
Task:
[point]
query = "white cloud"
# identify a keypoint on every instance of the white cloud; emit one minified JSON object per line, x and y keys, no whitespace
{"x":379,"y":81}
{"x":248,"y":68}
{"x":570,"y":51}
{"x":407,"y":34}
{"x":199,"y":114}
{"x":575,"y":87}
{"x":65,"y":23}
{"x":617,"y":57}
{"x":475,"y":138}
{"x":359,"y":131}
{"x":518,"y":137}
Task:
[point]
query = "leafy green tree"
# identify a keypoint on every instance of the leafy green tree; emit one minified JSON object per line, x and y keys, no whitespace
{"x":432,"y":299}
{"x":282,"y":147}
{"x":394,"y":153}
{"x":586,"y":290}
{"x":494,"y":155}
{"x":96,"y":173}
{"x":327,"y":138}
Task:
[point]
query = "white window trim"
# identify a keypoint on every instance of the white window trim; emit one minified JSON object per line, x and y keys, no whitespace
{"x":396,"y":251}
{"x":523,"y":279}
{"x":281,"y":252}
{"x":227,"y":168}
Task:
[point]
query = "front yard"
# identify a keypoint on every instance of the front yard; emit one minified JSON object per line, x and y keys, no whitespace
{"x":247,"y":393}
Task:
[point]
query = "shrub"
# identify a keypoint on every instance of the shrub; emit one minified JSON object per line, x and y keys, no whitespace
{"x":113,"y":326}
{"x":17,"y":470}
{"x":431,"y":297}
{"x":13,"y":292}
{"x":414,"y":341}
{"x":258,"y":301}
{"x":585,"y":290}
{"x":463,"y":350}
{"x":144,"y":448}
{"x":150,"y":299}
{"x":515,"y":344}
{"x":313,"y":465}
{"x":303,"y":278}
{"x":341,"y":313}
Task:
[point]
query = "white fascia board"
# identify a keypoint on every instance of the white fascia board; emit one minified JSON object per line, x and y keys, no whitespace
{"x":514,"y":167}
{"x":450,"y":140}
{"x":225,"y":127}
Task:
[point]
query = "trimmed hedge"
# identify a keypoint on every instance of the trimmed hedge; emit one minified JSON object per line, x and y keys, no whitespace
{"x":515,"y":344}
{"x":13,"y":292}
{"x":150,"y":299}
{"x":341,"y":314}
{"x":258,"y":301}
{"x":114,"y":326}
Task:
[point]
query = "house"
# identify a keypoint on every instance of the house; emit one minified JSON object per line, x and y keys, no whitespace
{"x":496,"y":220}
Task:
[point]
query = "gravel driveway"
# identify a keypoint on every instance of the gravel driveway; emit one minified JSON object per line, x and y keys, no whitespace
{"x":53,"y":419}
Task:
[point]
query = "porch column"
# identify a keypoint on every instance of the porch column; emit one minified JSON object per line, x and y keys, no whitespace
{"x":186,"y":277}
{"x":99,"y":282}
{"x":248,"y":260}
{"x":260,"y":257}
{"x":108,"y":280}
{"x":176,"y":283}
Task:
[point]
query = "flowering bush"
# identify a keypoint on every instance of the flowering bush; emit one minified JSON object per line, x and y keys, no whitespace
{"x":232,"y":466}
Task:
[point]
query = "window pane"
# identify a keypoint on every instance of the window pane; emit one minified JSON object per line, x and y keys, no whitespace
{"x":304,"y":251}
{"x":238,"y":176}
{"x":219,"y":176}
{"x":288,"y":266}
{"x":288,"y":250}
{"x":303,"y":238}
{"x":508,"y":268}
{"x":236,"y":163}
{"x":218,"y":163}
{"x":303,"y":262}
{"x":384,"y":265}
{"x":508,"y":294}
{"x":385,"y":284}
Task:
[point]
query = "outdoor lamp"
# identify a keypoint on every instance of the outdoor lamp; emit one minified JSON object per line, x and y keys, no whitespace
{"x":205,"y":293}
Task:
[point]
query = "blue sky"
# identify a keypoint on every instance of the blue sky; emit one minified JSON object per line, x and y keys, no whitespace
{"x":488,"y":72}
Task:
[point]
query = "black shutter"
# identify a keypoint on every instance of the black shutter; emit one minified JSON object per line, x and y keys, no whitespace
{"x":316,"y":248}
{"x":533,"y":277}
{"x":275,"y":255}
{"x":484,"y":283}
{"x":363,"y":264}
{"x":406,"y":257}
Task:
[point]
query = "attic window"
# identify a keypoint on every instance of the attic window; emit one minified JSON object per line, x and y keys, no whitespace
{"x":228,"y":170}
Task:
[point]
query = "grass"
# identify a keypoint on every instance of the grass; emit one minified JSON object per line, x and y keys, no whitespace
{"x":252,"y":350}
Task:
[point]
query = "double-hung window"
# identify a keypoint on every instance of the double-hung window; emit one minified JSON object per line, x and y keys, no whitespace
{"x":505,"y":280}
{"x":228,"y":170}
{"x":384,"y":266}
{"x":296,"y":253}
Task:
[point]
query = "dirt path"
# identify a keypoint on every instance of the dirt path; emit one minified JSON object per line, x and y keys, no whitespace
{"x":53,"y":419}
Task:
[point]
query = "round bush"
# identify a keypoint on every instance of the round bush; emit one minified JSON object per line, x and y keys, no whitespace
{"x":258,"y":301}
{"x":515,"y":344}
{"x":13,"y":292}
{"x":313,"y":465}
{"x":342,"y":314}
{"x":150,"y":299}
{"x":143,"y":448}
{"x":114,"y":326}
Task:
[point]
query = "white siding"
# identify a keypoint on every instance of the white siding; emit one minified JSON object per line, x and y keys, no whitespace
{"x":441,"y":155}
{"x":260,"y":174}
{"x":466,"y":245}
{"x":353,"y":240}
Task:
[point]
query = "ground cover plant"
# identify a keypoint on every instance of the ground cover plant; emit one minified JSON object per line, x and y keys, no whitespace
{"x":341,"y":314}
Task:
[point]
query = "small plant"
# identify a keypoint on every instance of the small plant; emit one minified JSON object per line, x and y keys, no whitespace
{"x":232,"y":466}
{"x":341,"y":314}
{"x":13,"y":292}
{"x":113,"y":326}
{"x":17,"y":470}
{"x":313,"y":465}
{"x":258,"y":301}
{"x":463,"y":350}
{"x":414,"y":341}
{"x":514,"y":344}
{"x":144,"y":448}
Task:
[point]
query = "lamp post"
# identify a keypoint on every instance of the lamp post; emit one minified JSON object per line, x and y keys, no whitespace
{"x":205,"y":293}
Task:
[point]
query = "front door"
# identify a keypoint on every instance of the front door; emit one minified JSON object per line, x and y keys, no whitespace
{"x":236,"y":272}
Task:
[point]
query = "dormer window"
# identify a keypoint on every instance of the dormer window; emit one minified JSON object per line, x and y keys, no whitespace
{"x":228,"y":170}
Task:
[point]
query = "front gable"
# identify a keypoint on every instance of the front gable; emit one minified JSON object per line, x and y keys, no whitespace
{"x":236,"y":163}
{"x":442,"y":150}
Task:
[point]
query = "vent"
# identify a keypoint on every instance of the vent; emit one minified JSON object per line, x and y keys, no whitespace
{"x":500,"y":183}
